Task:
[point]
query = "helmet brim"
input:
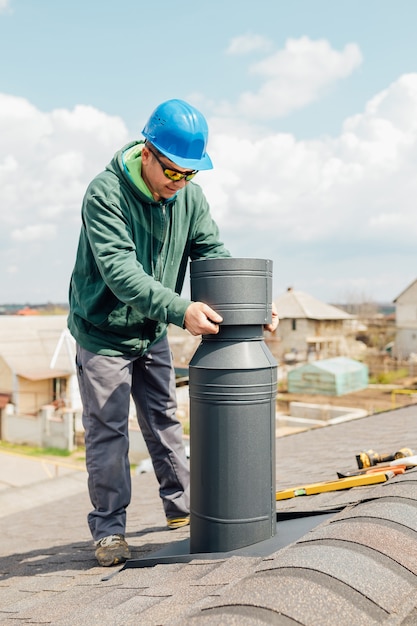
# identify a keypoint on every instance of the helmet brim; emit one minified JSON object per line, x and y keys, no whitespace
{"x":204,"y":163}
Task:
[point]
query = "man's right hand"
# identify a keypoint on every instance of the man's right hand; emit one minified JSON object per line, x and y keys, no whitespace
{"x":200,"y":319}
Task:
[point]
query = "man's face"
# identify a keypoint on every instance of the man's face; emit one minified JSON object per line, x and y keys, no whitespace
{"x":153,"y":166}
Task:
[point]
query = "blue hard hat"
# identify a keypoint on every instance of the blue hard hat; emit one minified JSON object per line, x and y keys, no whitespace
{"x":180,"y":132}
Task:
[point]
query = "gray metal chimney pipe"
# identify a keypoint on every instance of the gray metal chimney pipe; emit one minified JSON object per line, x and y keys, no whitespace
{"x":233,"y":383}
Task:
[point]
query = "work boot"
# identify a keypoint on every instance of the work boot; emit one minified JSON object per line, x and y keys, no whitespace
{"x":112,"y":550}
{"x":177,"y":522}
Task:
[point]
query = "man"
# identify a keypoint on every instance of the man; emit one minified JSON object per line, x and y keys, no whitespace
{"x":142,"y":219}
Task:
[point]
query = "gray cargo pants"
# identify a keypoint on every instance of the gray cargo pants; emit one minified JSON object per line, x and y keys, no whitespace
{"x":106,"y":385}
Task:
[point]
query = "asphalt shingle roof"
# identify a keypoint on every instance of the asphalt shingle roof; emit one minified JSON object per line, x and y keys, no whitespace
{"x":357,"y":567}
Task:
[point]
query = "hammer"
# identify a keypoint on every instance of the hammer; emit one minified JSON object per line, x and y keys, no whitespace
{"x":371,"y":458}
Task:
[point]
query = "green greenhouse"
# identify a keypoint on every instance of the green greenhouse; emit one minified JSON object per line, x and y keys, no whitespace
{"x":331,"y":377}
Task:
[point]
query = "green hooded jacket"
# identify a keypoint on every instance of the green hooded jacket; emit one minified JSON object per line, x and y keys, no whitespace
{"x":131,"y":261}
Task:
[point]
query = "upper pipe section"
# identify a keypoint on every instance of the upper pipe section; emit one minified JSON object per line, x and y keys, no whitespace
{"x":240,"y":290}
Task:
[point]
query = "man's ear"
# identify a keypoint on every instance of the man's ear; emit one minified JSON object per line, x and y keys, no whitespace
{"x":146,"y":154}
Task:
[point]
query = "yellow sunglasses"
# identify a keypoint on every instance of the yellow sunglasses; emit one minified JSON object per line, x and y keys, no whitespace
{"x":171,"y":173}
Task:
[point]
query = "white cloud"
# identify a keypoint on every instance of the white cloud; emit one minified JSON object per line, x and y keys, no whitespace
{"x":330,"y":212}
{"x":46,"y":162}
{"x":248,"y":43}
{"x":37,"y":232}
{"x":47,"y":159}
{"x":4,"y":5}
{"x":344,"y":196}
{"x":294,"y":77}
{"x":9,"y":164}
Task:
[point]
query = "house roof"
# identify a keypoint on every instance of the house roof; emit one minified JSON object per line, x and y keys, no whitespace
{"x":43,"y":374}
{"x":39,"y":347}
{"x":300,"y":305}
{"x":405,"y":290}
{"x":336,"y":365}
{"x":358,"y":565}
{"x":28,"y":344}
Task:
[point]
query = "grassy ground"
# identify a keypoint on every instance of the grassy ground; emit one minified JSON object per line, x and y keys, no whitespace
{"x":75,"y":458}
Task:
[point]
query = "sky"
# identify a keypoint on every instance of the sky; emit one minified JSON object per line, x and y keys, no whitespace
{"x":312,"y":113}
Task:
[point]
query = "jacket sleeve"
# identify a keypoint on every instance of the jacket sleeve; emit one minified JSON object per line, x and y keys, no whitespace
{"x":114,"y":251}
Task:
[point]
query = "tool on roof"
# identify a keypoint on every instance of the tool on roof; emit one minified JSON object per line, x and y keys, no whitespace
{"x":371,"y":458}
{"x":408,"y":461}
{"x":334,"y":485}
{"x":397,"y":469}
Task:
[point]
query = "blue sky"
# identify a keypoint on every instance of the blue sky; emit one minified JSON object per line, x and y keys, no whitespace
{"x":312,"y":109}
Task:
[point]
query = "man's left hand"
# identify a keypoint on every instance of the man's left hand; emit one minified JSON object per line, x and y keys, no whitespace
{"x":275,"y":320}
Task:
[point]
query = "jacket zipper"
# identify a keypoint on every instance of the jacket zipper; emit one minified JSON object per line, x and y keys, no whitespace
{"x":160,"y":258}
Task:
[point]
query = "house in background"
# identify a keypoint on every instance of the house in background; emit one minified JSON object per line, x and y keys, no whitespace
{"x":40,"y":402}
{"x":37,"y":380}
{"x":311,"y":330}
{"x":405,"y":343}
{"x":32,"y":372}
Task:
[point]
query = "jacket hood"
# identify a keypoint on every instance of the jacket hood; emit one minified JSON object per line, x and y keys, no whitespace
{"x":118,"y":168}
